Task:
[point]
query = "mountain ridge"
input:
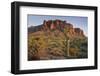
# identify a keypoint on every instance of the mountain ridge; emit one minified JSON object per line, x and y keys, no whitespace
{"x":57,"y":25}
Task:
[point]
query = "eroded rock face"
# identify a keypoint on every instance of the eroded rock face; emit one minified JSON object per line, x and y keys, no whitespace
{"x":53,"y":24}
{"x":78,"y":31}
{"x":60,"y":25}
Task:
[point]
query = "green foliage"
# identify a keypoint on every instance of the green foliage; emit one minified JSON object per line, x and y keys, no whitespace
{"x":82,"y":45}
{"x":57,"y":45}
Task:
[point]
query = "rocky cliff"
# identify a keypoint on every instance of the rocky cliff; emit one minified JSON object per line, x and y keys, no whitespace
{"x":58,"y":25}
{"x":61,"y":25}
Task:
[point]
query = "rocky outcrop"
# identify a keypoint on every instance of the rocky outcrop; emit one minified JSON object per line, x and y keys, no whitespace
{"x":53,"y":24}
{"x":58,"y":25}
{"x":61,"y":25}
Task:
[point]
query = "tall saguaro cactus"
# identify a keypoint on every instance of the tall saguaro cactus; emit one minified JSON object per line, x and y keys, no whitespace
{"x":66,"y":41}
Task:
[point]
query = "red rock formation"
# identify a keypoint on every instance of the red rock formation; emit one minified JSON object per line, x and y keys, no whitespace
{"x":52,"y":26}
{"x":60,"y":25}
{"x":78,"y":31}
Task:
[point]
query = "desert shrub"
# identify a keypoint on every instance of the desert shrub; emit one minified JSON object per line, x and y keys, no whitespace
{"x":32,"y":47}
{"x":73,"y":52}
{"x":82,"y":45}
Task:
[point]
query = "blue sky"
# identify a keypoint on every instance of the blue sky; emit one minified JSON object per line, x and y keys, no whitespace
{"x":77,"y":21}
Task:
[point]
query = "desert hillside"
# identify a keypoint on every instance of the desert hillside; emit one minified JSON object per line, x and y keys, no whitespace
{"x":56,"y":39}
